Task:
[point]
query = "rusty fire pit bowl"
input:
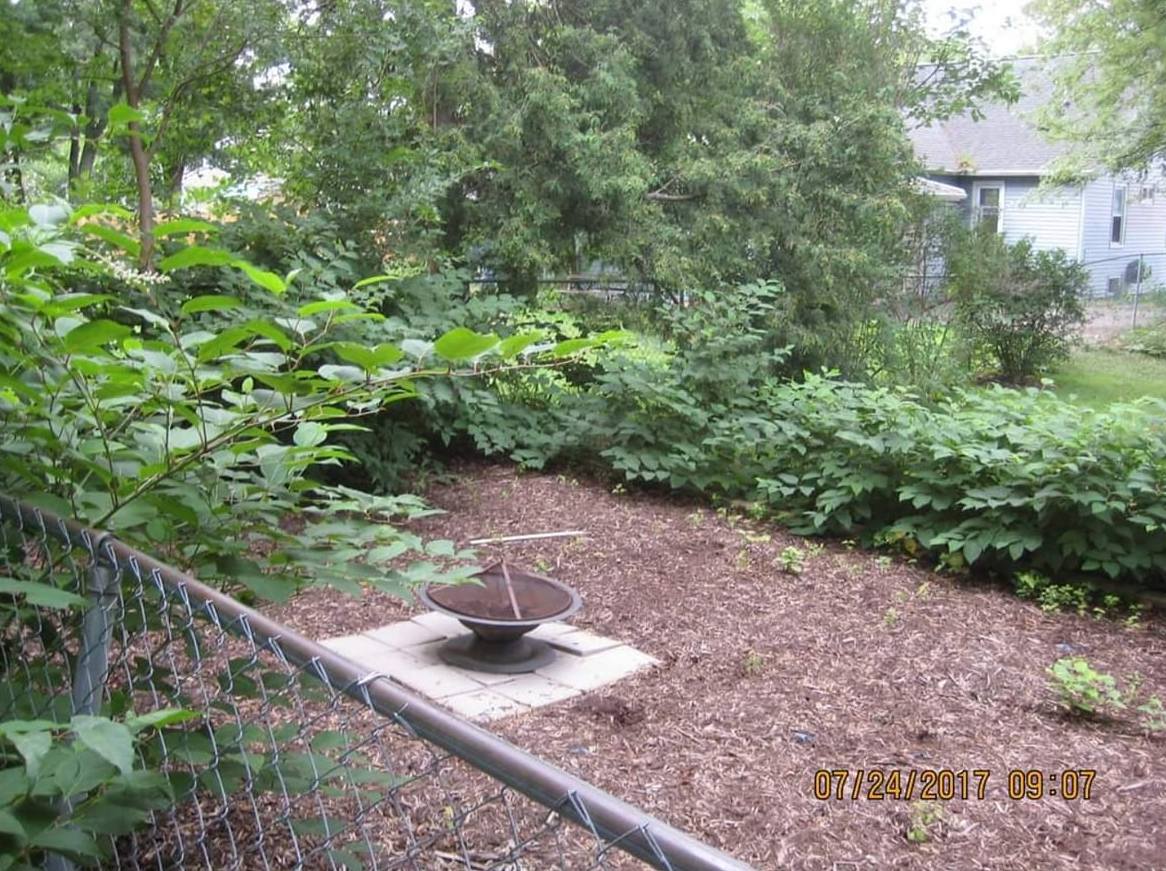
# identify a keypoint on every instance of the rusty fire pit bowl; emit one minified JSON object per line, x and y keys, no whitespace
{"x":509,"y":603}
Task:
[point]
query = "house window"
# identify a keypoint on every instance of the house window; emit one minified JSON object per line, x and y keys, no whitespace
{"x":988,"y":206}
{"x":1117,"y":230}
{"x":1147,"y":195}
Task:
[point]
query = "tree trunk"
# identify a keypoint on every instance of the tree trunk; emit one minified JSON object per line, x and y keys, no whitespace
{"x":175,"y":175}
{"x":138,"y":154}
{"x":74,"y":150}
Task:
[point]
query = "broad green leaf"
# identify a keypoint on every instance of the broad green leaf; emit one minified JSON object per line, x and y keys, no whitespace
{"x":14,"y":785}
{"x":179,"y":226}
{"x":90,"y":209}
{"x":326,"y":305}
{"x":11,"y":826}
{"x":108,"y":817}
{"x":158,"y":719}
{"x":463,"y":344}
{"x":348,"y":374}
{"x":32,"y":746}
{"x":516,"y":344}
{"x":94,"y":334}
{"x":114,"y":237}
{"x":71,"y":302}
{"x":310,"y":434}
{"x":112,"y":741}
{"x":41,"y":595}
{"x":369,"y":359}
{"x":195,"y":255}
{"x":48,"y":215}
{"x":148,"y":316}
{"x":266,"y":280}
{"x":572,"y":346}
{"x":122,"y":113}
{"x":209,"y":303}
{"x":398,"y":274}
{"x":69,"y":842}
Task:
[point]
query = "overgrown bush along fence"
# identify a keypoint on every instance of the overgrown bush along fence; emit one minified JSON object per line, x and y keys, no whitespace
{"x":148,"y":721}
{"x":991,"y":477}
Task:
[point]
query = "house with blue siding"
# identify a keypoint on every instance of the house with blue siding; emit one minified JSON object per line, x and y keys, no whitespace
{"x":1001,"y":162}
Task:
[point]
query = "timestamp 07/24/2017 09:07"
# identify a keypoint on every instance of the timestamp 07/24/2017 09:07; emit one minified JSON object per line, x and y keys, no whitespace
{"x":947,"y":784}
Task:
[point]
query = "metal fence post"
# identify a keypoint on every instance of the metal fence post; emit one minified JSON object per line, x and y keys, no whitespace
{"x":1138,"y":287}
{"x":92,"y":666}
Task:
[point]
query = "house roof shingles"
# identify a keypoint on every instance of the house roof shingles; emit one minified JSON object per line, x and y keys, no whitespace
{"x":1005,"y":140}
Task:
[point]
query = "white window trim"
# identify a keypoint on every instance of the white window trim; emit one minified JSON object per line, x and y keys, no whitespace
{"x":1125,"y":215}
{"x":977,"y":186}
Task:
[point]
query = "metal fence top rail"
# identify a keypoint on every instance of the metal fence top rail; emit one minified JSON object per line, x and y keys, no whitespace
{"x":619,"y":824}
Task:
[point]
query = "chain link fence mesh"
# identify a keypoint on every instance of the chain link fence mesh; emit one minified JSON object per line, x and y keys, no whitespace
{"x":291,"y":758}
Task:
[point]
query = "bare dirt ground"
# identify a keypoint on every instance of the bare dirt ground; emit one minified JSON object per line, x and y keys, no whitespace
{"x":1108,"y":319}
{"x":858,"y":663}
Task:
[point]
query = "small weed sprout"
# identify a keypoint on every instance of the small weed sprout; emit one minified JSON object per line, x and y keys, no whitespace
{"x":925,"y":819}
{"x":696,"y":518}
{"x":1155,"y":714}
{"x":923,"y":591}
{"x":1083,"y":691}
{"x":1133,"y":619}
{"x":752,"y":663}
{"x":542,"y":564}
{"x":792,"y":561}
{"x":742,"y":560}
{"x":1081,"y":598}
{"x":883,"y":561}
{"x":1029,"y":584}
{"x":891,"y":618}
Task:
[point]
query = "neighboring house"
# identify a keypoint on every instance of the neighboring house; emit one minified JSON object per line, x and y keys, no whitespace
{"x":999,"y":161}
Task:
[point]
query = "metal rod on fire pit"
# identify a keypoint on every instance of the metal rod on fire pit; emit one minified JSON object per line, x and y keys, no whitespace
{"x":502,"y":539}
{"x":510,"y":591}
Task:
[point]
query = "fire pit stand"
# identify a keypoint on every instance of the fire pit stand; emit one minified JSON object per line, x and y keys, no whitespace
{"x":499,"y":612}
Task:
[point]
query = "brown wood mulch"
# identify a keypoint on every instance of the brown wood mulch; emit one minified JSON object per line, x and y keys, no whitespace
{"x":856,"y":663}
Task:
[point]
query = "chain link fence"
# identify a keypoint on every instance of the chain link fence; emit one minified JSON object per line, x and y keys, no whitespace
{"x":290,"y":756}
{"x":1125,"y":290}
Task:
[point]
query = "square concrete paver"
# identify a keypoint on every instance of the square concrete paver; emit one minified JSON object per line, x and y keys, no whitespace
{"x":408,"y":652}
{"x":442,"y":624}
{"x":598,"y":669}
{"x":437,"y":681}
{"x":483,"y":704}
{"x":535,"y":690}
{"x":405,"y":634}
{"x":582,"y":643}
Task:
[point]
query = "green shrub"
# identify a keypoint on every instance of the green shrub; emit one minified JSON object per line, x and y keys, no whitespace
{"x":70,"y":787}
{"x":1146,"y":340}
{"x":927,"y":355}
{"x":1000,"y":478}
{"x":1021,"y":305}
{"x":1083,"y":691}
{"x":996,"y":478}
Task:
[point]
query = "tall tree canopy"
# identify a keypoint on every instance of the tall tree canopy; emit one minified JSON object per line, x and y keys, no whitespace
{"x":697,"y":143}
{"x":1110,"y":95}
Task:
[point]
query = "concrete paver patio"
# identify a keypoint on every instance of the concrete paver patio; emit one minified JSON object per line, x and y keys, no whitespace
{"x":407,"y":652}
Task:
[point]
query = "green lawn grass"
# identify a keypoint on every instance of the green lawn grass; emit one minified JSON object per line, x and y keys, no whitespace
{"x":1101,"y":376}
